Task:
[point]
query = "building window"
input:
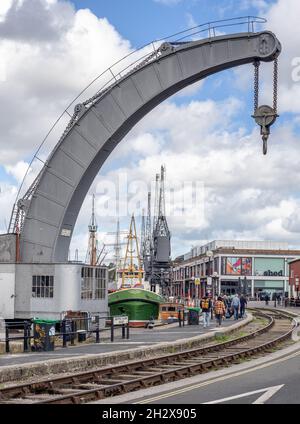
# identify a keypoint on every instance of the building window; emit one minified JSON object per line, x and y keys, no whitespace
{"x":87,"y":283}
{"x":93,"y":283}
{"x":42,"y":286}
{"x":100,"y":283}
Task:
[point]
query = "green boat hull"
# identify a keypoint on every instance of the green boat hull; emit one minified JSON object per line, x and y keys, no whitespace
{"x":140,"y":305}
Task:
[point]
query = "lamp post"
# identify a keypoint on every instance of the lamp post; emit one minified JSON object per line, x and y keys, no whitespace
{"x":245,"y":286}
{"x":215,"y":283}
{"x":210,"y":254}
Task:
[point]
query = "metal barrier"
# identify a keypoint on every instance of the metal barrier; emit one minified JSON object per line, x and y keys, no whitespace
{"x":23,"y":325}
{"x":293,"y":302}
{"x":119,"y":321}
{"x":68,"y":330}
{"x":181,"y":318}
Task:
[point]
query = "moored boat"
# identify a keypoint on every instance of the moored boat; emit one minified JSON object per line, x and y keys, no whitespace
{"x":140,"y":305}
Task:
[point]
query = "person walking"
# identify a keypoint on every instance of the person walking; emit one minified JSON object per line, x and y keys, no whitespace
{"x":227,"y":303}
{"x":235,"y":304}
{"x":206,"y":306}
{"x":267,"y":299}
{"x":243,"y":303}
{"x":219,"y":310}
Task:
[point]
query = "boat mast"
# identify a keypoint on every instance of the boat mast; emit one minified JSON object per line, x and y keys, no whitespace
{"x":91,"y":255}
{"x":143,"y":235}
{"x":132,"y":254}
{"x":148,"y":242}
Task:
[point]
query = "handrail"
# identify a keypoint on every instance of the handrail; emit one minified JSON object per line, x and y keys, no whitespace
{"x":152,"y":52}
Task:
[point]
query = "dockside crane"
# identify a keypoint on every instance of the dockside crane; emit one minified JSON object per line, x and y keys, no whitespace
{"x":161,"y":252}
{"x":148,"y":242}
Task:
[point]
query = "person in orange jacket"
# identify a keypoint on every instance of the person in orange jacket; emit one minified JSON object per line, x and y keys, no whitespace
{"x":220,"y":310}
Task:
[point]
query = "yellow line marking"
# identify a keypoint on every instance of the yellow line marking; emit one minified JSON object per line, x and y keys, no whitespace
{"x":206,"y":383}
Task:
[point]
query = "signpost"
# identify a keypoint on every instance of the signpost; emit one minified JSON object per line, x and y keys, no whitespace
{"x":120,"y":320}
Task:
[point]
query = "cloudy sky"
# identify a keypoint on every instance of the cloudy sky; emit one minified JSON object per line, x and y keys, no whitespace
{"x":51,"y":49}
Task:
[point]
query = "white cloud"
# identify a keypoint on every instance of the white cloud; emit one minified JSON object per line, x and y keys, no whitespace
{"x":44,"y":74}
{"x":4,"y":7}
{"x":7,"y":196}
{"x":17,"y":171}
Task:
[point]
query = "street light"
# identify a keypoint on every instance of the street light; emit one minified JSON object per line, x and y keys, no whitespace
{"x":209,"y":254}
{"x":215,"y":282}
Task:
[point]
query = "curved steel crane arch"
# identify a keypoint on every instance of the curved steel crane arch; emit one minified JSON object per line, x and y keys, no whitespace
{"x":77,"y":158}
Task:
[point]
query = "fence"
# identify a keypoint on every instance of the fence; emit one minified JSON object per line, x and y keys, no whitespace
{"x":67,"y":330}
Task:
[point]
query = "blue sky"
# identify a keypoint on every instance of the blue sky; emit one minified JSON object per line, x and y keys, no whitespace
{"x":141,"y":21}
{"x":206,"y":133}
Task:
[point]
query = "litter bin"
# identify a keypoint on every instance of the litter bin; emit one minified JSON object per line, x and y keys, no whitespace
{"x":44,"y":334}
{"x":81,"y":335}
{"x":193,"y":316}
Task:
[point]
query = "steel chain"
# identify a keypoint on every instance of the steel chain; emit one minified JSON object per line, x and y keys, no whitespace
{"x":256,"y":84}
{"x":275,"y":85}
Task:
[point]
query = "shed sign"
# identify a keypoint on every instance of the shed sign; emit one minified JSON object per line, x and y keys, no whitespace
{"x":120,"y":320}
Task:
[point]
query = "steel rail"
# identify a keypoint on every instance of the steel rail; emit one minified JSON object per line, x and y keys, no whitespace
{"x":182,"y":365}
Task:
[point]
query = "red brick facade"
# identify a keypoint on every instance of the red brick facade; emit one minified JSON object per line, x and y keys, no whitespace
{"x":294,"y":277}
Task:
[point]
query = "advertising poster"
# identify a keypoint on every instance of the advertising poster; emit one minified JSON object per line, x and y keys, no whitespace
{"x":233,"y":266}
{"x":246,"y":266}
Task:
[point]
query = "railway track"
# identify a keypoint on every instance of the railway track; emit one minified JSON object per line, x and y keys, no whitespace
{"x":118,"y":379}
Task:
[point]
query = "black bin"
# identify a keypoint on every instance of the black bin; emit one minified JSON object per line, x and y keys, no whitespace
{"x":193,"y":316}
{"x":81,"y":335}
{"x":44,"y":335}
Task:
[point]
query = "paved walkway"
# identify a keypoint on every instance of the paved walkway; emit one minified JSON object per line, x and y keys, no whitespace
{"x":262,"y":304}
{"x":139,"y":337}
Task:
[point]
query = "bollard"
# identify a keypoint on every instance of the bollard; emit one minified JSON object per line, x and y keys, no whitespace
{"x":97,"y":329}
{"x":63,"y":328}
{"x":6,"y":339}
{"x":72,"y":333}
{"x":179,"y":318}
{"x":112,"y":329}
{"x":127,"y":327}
{"x":183,"y":318}
{"x":26,"y":335}
{"x":123,"y":331}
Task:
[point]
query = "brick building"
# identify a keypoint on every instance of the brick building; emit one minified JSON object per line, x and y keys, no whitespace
{"x":232,"y":266}
{"x":294,"y":277}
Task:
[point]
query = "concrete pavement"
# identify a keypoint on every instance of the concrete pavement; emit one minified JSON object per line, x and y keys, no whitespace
{"x":139,"y":337}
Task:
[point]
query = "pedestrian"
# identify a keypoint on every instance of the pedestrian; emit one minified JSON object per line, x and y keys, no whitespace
{"x":243,"y":303}
{"x":235,"y":304}
{"x":227,"y":303}
{"x":206,"y":306}
{"x":225,"y":299}
{"x":219,"y":310}
{"x":267,"y":298}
